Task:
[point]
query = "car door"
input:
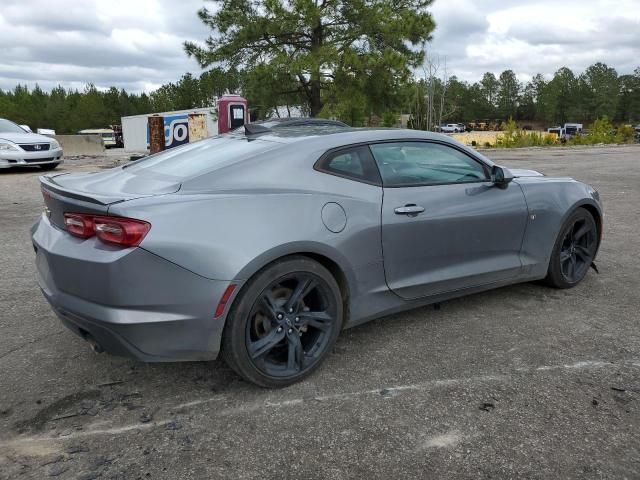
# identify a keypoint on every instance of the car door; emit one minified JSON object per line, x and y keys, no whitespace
{"x":445,"y":225}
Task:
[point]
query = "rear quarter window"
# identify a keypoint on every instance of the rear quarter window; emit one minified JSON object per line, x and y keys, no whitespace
{"x":353,"y":163}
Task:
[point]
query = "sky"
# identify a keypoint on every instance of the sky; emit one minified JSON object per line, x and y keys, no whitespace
{"x":137,"y":44}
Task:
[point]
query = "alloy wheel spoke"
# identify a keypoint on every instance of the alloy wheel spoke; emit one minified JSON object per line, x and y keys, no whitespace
{"x":269,"y":304}
{"x":572,"y":266}
{"x":564,"y":256}
{"x":295,"y":354}
{"x":303,"y":288}
{"x":582,"y":231}
{"x":263,"y":346}
{"x":320,"y":320}
{"x":583,"y":253}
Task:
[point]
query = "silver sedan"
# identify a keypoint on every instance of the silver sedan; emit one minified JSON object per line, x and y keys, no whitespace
{"x":263,"y":246}
{"x":19,"y":148}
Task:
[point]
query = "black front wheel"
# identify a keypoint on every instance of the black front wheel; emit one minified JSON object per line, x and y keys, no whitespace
{"x":574,"y":250}
{"x":284,"y":323}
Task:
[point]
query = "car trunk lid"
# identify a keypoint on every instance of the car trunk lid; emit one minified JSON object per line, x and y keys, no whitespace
{"x":93,"y":193}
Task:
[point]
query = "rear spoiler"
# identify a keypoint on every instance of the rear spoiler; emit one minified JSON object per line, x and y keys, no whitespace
{"x":48,"y":183}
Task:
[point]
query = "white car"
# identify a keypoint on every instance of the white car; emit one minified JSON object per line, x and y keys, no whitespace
{"x":450,"y":128}
{"x":21,"y":148}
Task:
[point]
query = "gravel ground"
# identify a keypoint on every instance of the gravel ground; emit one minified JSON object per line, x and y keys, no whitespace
{"x":520,"y":382}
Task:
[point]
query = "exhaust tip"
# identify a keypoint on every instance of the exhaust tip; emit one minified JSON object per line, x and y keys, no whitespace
{"x":95,"y":346}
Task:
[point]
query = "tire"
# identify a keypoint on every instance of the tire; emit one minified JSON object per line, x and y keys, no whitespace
{"x":49,"y":166}
{"x":574,"y":250}
{"x":288,"y":316}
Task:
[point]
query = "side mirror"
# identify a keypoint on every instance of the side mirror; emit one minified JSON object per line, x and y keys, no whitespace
{"x":501,"y":176}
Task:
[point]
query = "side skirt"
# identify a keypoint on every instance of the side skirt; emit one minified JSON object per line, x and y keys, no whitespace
{"x":388,"y":303}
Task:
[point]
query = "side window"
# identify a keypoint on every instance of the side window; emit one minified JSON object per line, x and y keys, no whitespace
{"x":354,"y":163}
{"x":419,"y":163}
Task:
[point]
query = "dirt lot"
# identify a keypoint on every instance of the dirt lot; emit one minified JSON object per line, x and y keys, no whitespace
{"x":520,"y":382}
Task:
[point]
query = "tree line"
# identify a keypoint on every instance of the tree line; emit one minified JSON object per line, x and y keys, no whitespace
{"x":598,"y":91}
{"x":70,"y":110}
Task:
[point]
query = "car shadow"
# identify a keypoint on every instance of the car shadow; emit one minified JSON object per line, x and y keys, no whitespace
{"x":27,"y":169}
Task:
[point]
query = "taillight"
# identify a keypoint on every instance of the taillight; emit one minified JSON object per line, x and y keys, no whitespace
{"x":79,"y":225}
{"x":121,"y":231}
{"x":126,"y":232}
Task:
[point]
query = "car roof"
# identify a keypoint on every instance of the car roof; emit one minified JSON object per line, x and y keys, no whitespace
{"x":325,"y":137}
{"x":298,"y":121}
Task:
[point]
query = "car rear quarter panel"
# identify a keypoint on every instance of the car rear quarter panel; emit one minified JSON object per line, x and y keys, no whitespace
{"x":231,"y":223}
{"x":550,"y":201}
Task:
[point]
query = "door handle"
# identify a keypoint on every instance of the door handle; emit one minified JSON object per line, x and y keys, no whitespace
{"x":410,"y":209}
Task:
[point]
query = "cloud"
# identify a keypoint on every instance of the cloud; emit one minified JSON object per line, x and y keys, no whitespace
{"x":536,"y":36}
{"x":137,"y":44}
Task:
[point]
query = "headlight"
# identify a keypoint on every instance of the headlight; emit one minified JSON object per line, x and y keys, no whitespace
{"x":54,"y":144}
{"x":8,"y":146}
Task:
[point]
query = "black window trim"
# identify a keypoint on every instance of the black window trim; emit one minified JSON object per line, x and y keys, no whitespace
{"x":485,"y":167}
{"x":321,"y":163}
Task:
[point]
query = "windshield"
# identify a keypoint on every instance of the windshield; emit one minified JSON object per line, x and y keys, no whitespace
{"x":203,"y":156}
{"x":10,"y":127}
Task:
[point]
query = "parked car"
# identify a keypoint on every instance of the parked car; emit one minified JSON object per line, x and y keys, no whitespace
{"x":263,"y":246}
{"x":20,"y":148}
{"x":450,"y":128}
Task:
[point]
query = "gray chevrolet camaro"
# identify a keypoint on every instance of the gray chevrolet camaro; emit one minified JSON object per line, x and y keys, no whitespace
{"x":263,"y":246}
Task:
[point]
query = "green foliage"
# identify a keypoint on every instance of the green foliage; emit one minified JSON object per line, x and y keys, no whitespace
{"x":600,"y":131}
{"x":390,"y":119}
{"x":324,"y":47}
{"x":598,"y":86}
{"x":508,"y":94}
{"x":67,"y":111}
{"x":558,"y":98}
{"x":352,"y":97}
{"x":629,"y":97}
{"x":514,"y":137}
{"x":627,"y":134}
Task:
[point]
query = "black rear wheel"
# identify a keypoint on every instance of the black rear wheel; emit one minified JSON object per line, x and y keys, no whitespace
{"x":284,"y":323}
{"x":574,"y":250}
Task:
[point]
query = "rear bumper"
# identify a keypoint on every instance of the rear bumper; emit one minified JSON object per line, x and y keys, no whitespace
{"x":9,"y":159}
{"x":129,"y":301}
